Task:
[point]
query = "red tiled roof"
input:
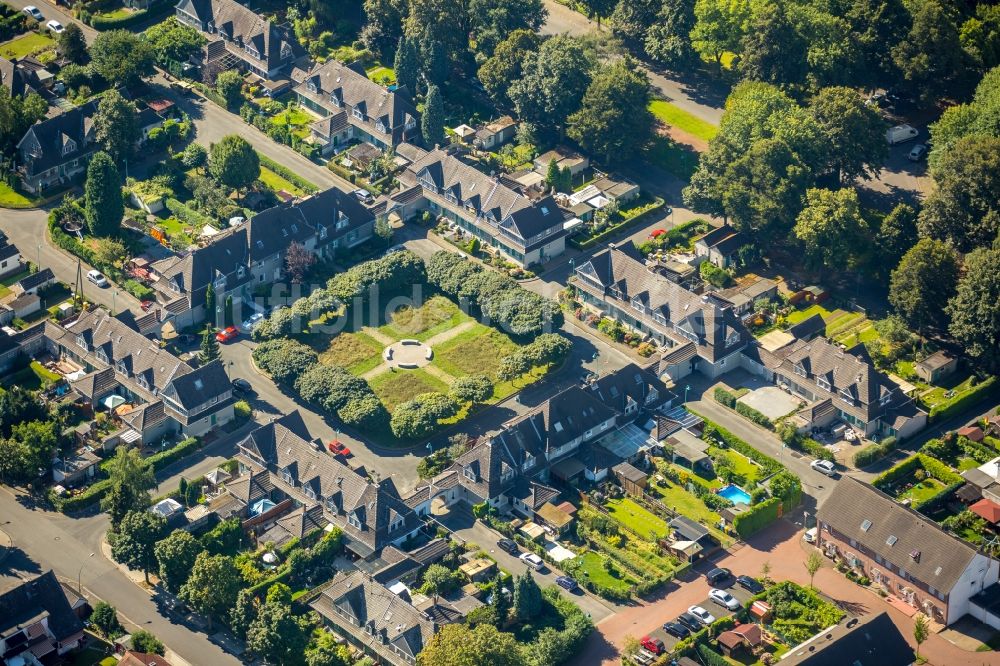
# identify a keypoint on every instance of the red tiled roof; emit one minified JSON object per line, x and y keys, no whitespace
{"x":975,"y":433}
{"x":987,"y":509}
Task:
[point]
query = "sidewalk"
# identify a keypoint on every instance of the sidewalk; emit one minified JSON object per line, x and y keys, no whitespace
{"x":6,"y":545}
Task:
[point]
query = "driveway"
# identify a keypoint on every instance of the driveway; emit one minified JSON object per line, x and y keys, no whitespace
{"x":770,"y":401}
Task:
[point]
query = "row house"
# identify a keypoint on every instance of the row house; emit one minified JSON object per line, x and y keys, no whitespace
{"x":239,"y":37}
{"x":167,"y":394}
{"x":37,"y":622}
{"x":698,"y":332}
{"x":524,"y":230}
{"x":371,"y":513}
{"x":238,"y":260}
{"x":355,"y":108}
{"x":902,"y":551}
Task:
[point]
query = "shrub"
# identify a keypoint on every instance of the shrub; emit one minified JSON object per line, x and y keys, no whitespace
{"x":724,"y":397}
{"x":757,"y":517}
{"x":754,"y":415}
{"x":717,"y":434}
{"x":875,"y":452}
{"x":284,"y":359}
{"x":964,"y":400}
{"x":472,"y":388}
{"x":137,"y":289}
{"x":183,"y":448}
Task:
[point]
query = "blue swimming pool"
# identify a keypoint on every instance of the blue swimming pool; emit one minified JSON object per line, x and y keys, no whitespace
{"x":735,"y":494}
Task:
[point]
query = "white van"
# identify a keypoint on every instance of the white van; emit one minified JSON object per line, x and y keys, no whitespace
{"x":901,"y":134}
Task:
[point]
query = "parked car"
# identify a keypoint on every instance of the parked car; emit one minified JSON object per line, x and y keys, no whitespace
{"x":676,"y":629}
{"x":654,"y":645}
{"x":724,"y":599}
{"x":689,"y":621}
{"x":901,"y":134}
{"x":34,"y":13}
{"x":227,"y":334}
{"x":750,"y":584}
{"x":810,"y":535}
{"x":395,"y":248}
{"x":252,"y":321}
{"x":703,"y":615}
{"x":824,"y":467}
{"x":718,"y":575}
{"x":97,"y":277}
{"x":241,"y":385}
{"x":567,"y":583}
{"x":338,"y":449}
{"x":508,"y":546}
{"x":362,"y":195}
{"x":918,"y":152}
{"x":532,"y":561}
{"x":55,"y":26}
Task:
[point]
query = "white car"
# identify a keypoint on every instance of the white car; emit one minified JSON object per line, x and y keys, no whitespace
{"x":33,"y":12}
{"x":251,"y":322}
{"x":532,"y":561}
{"x":824,"y":467}
{"x":810,"y":535}
{"x":703,"y":615}
{"x":55,"y":26}
{"x":97,"y":278}
{"x":723,"y":598}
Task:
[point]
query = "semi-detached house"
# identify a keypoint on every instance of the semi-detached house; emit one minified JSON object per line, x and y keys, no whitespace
{"x":523,"y":229}
{"x":54,"y":151}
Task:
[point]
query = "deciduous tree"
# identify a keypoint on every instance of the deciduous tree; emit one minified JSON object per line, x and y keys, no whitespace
{"x":553,"y":83}
{"x":121,"y":57}
{"x":133,"y":541}
{"x":105,"y":618}
{"x":175,"y":556}
{"x":494,"y":20}
{"x":668,"y":40}
{"x":147,"y":643}
{"x":832,"y":230}
{"x":213,"y":585}
{"x":772,"y":50}
{"x":278,"y":635}
{"x":172,"y":40}
{"x":853,"y":134}
{"x":923,"y":283}
{"x":116,"y":125}
{"x":975,"y":309}
{"x":298,"y":261}
{"x":234,"y":162}
{"x":931,"y":58}
{"x":458,"y":645}
{"x":229,"y":84}
{"x":896,"y":235}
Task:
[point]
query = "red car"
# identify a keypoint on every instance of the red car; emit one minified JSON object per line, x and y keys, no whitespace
{"x":227,"y":334}
{"x":145,"y":305}
{"x":338,"y":449}
{"x":654,"y":645}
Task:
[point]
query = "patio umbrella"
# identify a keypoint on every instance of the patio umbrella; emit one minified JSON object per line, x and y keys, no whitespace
{"x":113,"y":401}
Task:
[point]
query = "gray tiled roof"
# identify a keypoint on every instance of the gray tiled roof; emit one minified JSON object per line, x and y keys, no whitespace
{"x":24,"y":602}
{"x":224,"y":257}
{"x":942,"y":558}
{"x":42,"y":145}
{"x":242,"y":27}
{"x":36,"y":279}
{"x":375,"y":617}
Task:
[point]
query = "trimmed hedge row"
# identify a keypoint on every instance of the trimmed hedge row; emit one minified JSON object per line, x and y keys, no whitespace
{"x":288,"y":174}
{"x":621,"y":226}
{"x":757,"y":417}
{"x":875,"y":452}
{"x":157,"y":10}
{"x":962,"y":401}
{"x":724,"y":397}
{"x":767,"y":464}
{"x":165,"y":458}
{"x":757,"y":517}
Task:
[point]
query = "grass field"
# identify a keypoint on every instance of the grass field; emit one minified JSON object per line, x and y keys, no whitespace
{"x":357,"y":352}
{"x":11,"y":198}
{"x":275,"y":183}
{"x":940,"y":393}
{"x":921,"y":491}
{"x":740,"y":463}
{"x":382,"y":75}
{"x":435,"y":316}
{"x":475,"y":351}
{"x":393,"y":388}
{"x":682,"y":501}
{"x":673,"y":116}
{"x":25,"y":45}
{"x":636,"y":518}
{"x":592,"y":565}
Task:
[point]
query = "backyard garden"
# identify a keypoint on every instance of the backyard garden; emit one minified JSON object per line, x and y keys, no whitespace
{"x":920,"y":481}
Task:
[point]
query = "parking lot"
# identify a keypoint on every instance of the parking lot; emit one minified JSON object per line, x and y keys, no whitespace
{"x":715,"y":609}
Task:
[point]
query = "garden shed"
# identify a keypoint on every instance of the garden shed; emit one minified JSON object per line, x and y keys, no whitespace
{"x":631,"y":478}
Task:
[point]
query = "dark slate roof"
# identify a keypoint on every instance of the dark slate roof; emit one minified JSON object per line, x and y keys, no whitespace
{"x":382,"y":621}
{"x":560,"y":419}
{"x":619,"y":274}
{"x":42,"y":146}
{"x":630,"y":385}
{"x":9,"y":250}
{"x":871,"y":640}
{"x":190,"y":275}
{"x":942,"y":558}
{"x":724,"y":239}
{"x":495,"y":204}
{"x":384,"y":114}
{"x":243,"y":28}
{"x":250,"y":487}
{"x":809,"y":328}
{"x":318,"y":477}
{"x":13,"y":79}
{"x":36,"y":279}
{"x":197,"y":387}
{"x":23,"y":603}
{"x":145,"y":416}
{"x":295,"y":525}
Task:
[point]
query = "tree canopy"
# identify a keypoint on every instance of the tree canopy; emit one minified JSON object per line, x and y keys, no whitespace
{"x":234,"y":162}
{"x":116,"y":125}
{"x":923,"y":283}
{"x":458,"y":645}
{"x":121,"y":56}
{"x":613,"y":121}
{"x":975,"y":309}
{"x":832,"y":230}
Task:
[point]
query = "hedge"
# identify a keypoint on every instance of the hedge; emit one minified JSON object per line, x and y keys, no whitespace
{"x":934,"y":468}
{"x":93,"y":494}
{"x":964,"y":400}
{"x":767,"y":464}
{"x":724,"y":397}
{"x":757,"y":517}
{"x":874,"y":452}
{"x":621,"y":226}
{"x":710,"y":657}
{"x":288,"y":174}
{"x":757,"y":417}
{"x":158,"y":9}
{"x":165,"y":458}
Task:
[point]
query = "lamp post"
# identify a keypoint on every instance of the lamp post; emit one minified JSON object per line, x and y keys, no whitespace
{"x":38,"y":258}
{"x":114,"y":301}
{"x":686,"y":389}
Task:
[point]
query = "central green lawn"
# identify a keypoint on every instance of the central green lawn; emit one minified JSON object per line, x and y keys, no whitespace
{"x":294,"y":117}
{"x":357,"y":352}
{"x":393,"y":388}
{"x":681,"y":501}
{"x":119,"y":13}
{"x":740,"y":463}
{"x":25,"y":45}
{"x":11,"y":198}
{"x":382,"y":75}
{"x":800,"y":315}
{"x":475,"y":351}
{"x":637,"y":519}
{"x":674,"y":116}
{"x":941,"y":393}
{"x":592,"y":566}
{"x":435,"y":316}
{"x":275,"y":183}
{"x":923,"y":490}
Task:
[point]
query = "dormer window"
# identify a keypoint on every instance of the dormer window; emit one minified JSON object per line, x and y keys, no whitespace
{"x":310,"y":493}
{"x":102,"y":355}
{"x":638,"y":305}
{"x":733,"y":338}
{"x":241,"y":272}
{"x":335,"y":99}
{"x":141,"y":381}
{"x":846,"y":396}
{"x":800,"y":370}
{"x":122,"y":368}
{"x":331,"y":504}
{"x":529,"y":461}
{"x":357,"y":113}
{"x":81,"y":342}
{"x":886,"y":397}
{"x":823,"y":383}
{"x":69,"y":147}
{"x":380,"y":126}
{"x":311,"y":85}
{"x":342,"y":224}
{"x":410,"y":123}
{"x":660,"y":318}
{"x":507,"y":475}
{"x":469,"y":473}
{"x":286,"y":475}
{"x":322,"y":233}
{"x":286,"y":50}
{"x":175,"y":285}
{"x":352,"y":519}
{"x":396,"y":523}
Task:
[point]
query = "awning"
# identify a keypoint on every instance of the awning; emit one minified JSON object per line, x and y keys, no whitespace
{"x":113,"y":401}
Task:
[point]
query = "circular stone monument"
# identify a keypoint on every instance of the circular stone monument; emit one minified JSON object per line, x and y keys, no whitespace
{"x":408,"y":354}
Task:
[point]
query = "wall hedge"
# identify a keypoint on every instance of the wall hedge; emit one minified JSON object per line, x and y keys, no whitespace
{"x":757,"y":517}
{"x":713,"y":431}
{"x":287,"y":174}
{"x":875,"y":452}
{"x":158,"y":9}
{"x":183,"y":448}
{"x":621,"y":226}
{"x":754,"y":415}
{"x":724,"y":397}
{"x":93,"y":494}
{"x":962,"y":401}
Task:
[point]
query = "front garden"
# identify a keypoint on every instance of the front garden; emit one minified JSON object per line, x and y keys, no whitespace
{"x":344,"y":371}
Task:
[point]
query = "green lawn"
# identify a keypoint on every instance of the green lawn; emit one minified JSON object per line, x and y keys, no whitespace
{"x":25,"y":45}
{"x":800,"y":315}
{"x":11,"y":198}
{"x":435,"y":316}
{"x":592,"y":567}
{"x":382,"y":75}
{"x":393,"y":388}
{"x":740,"y":463}
{"x":673,"y":116}
{"x":941,"y":393}
{"x":93,"y":657}
{"x":921,"y":491}
{"x":276,"y":183}
{"x":293,"y":117}
{"x":119,"y":13}
{"x":475,"y":351}
{"x":357,"y":352}
{"x":681,"y":501}
{"x":966,"y":463}
{"x":636,"y":518}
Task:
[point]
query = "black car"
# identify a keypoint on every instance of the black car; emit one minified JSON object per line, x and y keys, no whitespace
{"x":689,"y":621}
{"x":509,"y":546}
{"x":676,"y":629}
{"x":749,"y":584}
{"x":241,"y":385}
{"x":718,"y":575}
